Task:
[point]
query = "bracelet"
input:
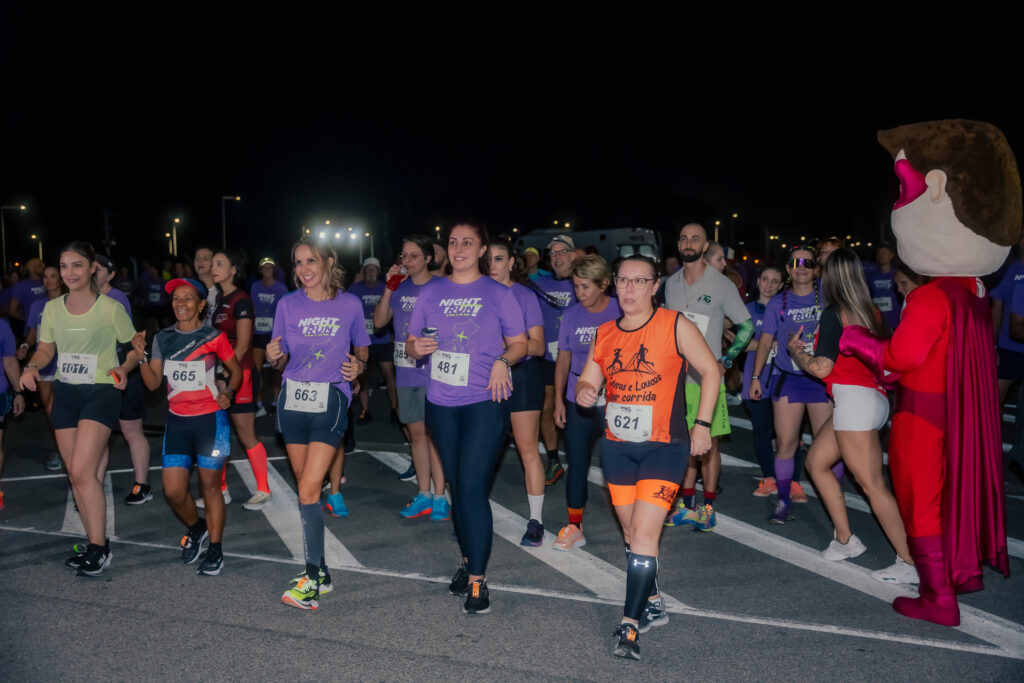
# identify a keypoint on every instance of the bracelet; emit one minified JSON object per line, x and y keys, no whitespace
{"x":505,"y":361}
{"x":24,"y":345}
{"x":702,"y":423}
{"x":31,"y":365}
{"x":755,"y":377}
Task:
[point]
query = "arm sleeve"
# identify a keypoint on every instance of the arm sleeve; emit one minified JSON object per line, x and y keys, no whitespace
{"x":830,"y":329}
{"x":743,"y":334}
{"x":924,"y":322}
{"x":124,"y":330}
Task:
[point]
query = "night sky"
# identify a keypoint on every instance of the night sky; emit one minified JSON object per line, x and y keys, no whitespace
{"x":396,"y":121}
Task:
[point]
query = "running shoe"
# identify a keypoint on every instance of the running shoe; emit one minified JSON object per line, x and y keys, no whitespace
{"x":553,"y":472}
{"x":365,"y":418}
{"x":478,"y":598}
{"x":261,"y":411}
{"x":460,"y":582}
{"x":705,"y":518}
{"x":201,"y":504}
{"x":54,"y":463}
{"x":325,"y":585}
{"x":140,"y":493}
{"x":75,"y":561}
{"x":304,"y":595}
{"x":766,"y":487}
{"x":654,"y":614}
{"x":213,"y":562}
{"x":899,"y":572}
{"x":335,"y":505}
{"x":796,"y":493}
{"x":782,"y":513}
{"x":192,"y":544}
{"x":837,"y":551}
{"x":682,"y":515}
{"x":534,"y":535}
{"x":259,"y":500}
{"x":626,"y":642}
{"x":409,"y":474}
{"x":421,"y":505}
{"x":569,"y":536}
{"x":94,"y":561}
{"x":442,"y":511}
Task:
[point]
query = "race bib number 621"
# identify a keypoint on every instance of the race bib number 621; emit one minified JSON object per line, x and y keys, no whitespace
{"x":629,"y":423}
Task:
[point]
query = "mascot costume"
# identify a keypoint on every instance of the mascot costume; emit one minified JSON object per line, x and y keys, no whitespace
{"x":957,"y":215}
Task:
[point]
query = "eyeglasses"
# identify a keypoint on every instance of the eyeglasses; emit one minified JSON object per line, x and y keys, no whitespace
{"x":803,"y":263}
{"x":558,"y":252}
{"x":635,"y":283}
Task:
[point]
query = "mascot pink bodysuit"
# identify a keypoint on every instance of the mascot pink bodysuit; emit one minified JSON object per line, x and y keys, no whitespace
{"x":958,"y":213}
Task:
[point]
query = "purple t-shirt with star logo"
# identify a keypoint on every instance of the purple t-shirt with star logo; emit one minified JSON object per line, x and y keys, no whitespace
{"x":369,"y":296}
{"x":576,"y":334}
{"x":402,"y":303}
{"x":560,"y":295}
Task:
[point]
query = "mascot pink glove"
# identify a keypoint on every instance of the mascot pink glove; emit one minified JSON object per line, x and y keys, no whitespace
{"x":859,"y":342}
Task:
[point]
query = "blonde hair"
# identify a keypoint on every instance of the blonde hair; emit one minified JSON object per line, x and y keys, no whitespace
{"x":594,"y":268}
{"x":335,"y":274}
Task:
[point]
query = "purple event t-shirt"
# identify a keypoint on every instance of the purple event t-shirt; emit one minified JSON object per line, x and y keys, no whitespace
{"x":264,"y":302}
{"x":121,"y":298}
{"x":577,"y":334}
{"x":756,"y":317}
{"x":317,"y":336}
{"x":1017,"y":302}
{"x":563,"y":294}
{"x":883,"y":293}
{"x":532,"y":316}
{"x":152,"y":289}
{"x":32,"y":321}
{"x":471,"y":318}
{"x":26,"y":292}
{"x":8,"y":347}
{"x":1005,"y":291}
{"x":369,"y":296}
{"x":402,"y":303}
{"x":801,"y":311}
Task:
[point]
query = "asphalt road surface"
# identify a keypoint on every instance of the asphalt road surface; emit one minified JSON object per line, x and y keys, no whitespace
{"x":748,"y":601}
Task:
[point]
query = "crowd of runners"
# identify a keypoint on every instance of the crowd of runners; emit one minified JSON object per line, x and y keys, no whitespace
{"x":476,"y":342}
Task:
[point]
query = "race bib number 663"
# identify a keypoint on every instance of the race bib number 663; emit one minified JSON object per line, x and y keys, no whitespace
{"x":306,"y":397}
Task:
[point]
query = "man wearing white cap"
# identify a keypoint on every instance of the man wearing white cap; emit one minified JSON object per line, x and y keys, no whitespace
{"x":369,"y":290}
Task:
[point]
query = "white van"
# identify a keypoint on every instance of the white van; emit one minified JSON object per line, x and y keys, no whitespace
{"x":611,"y":244}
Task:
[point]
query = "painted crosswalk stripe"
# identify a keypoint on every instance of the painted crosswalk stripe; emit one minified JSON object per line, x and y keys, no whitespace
{"x":73,"y":521}
{"x":283,"y":516}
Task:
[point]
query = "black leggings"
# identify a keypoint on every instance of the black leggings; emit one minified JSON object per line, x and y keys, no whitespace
{"x":583,"y":427}
{"x":469,"y":440}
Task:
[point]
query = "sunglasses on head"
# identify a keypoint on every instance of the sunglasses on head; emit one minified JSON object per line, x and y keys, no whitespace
{"x":803,"y":263}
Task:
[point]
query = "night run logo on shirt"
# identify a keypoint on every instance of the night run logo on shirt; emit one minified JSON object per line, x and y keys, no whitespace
{"x":319,"y":326}
{"x":370,"y":299}
{"x":637,"y":365}
{"x":800,"y":315}
{"x":266,"y":298}
{"x":586,"y":334}
{"x":563,"y":299}
{"x":454,"y":308}
{"x":407,"y":303}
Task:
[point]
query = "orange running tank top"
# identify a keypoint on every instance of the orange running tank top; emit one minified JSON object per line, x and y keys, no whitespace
{"x":645,"y":379}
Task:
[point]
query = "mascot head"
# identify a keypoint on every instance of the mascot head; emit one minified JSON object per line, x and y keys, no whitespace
{"x":959,"y":209}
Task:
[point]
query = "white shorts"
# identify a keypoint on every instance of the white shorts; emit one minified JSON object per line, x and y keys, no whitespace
{"x":858,"y":409}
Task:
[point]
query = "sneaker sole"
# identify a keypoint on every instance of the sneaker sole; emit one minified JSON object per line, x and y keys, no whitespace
{"x":565,"y":549}
{"x":780,"y":522}
{"x":326,"y":588}
{"x":256,"y":506}
{"x":418,"y":514}
{"x":486,"y":610}
{"x":292,"y":602}
{"x":106,"y":563}
{"x":440,"y":519}
{"x":626,"y":653}
{"x":139,"y":502}
{"x":531,"y":544}
{"x":758,"y":494}
{"x":652,"y":624}
{"x":210,"y":572}
{"x":334,"y":514}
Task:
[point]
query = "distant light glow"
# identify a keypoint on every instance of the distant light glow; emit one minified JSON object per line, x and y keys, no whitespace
{"x":337,"y":235}
{"x":366,"y":234}
{"x":177,"y":220}
{"x":323,"y":234}
{"x":327,"y":222}
{"x":352,"y":236}
{"x":567,"y":225}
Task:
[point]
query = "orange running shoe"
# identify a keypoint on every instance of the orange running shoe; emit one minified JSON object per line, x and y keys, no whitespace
{"x":766,"y":487}
{"x":796,"y":493}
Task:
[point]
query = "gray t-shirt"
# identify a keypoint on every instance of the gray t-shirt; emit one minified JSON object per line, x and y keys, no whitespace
{"x":706,"y":303}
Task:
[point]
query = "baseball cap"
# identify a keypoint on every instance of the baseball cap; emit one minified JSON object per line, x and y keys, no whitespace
{"x":267,"y":259}
{"x":531,"y":250}
{"x":371,"y":261}
{"x":105,"y":261}
{"x":187,"y":282}
{"x":562,"y":239}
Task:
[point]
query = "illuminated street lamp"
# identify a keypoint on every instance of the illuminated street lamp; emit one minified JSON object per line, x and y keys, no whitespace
{"x":170,"y":244}
{"x":3,"y":230}
{"x":40,"y":239}
{"x":224,"y":218}
{"x":174,"y":237}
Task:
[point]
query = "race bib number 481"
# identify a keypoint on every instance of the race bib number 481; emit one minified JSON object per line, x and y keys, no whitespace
{"x":629,"y":423}
{"x":450,"y":367}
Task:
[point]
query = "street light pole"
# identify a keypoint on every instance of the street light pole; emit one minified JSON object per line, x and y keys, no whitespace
{"x":3,"y":231}
{"x":224,"y":219}
{"x":174,"y":236}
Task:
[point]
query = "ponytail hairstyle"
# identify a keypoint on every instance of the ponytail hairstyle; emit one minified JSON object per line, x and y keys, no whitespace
{"x":518,"y":273}
{"x":86,"y":251}
{"x":484,"y":263}
{"x":847,"y":290}
{"x":334,"y":275}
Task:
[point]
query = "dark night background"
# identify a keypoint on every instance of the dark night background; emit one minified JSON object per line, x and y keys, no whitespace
{"x":396,"y":120}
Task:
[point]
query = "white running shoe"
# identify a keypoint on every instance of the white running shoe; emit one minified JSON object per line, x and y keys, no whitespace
{"x":837,"y":551}
{"x":201,"y":504}
{"x":259,"y":500}
{"x":899,"y":572}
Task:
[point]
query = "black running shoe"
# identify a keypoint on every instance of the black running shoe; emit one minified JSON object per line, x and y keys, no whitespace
{"x":478,"y":599}
{"x":140,"y":493}
{"x":75,"y":561}
{"x":626,"y":642}
{"x":192,"y":544}
{"x":213,"y":562}
{"x":95,"y":560}
{"x":654,"y":615}
{"x":534,"y":535}
{"x":460,"y":582}
{"x":409,"y":474}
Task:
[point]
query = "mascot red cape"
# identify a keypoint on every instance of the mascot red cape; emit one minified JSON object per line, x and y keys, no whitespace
{"x":957,"y":215}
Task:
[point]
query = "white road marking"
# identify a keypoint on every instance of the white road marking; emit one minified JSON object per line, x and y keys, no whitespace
{"x":73,"y":521}
{"x":125,"y":470}
{"x":283,"y":515}
{"x":580,"y":597}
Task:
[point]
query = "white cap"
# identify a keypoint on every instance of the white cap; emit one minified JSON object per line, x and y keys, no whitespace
{"x":372,"y":261}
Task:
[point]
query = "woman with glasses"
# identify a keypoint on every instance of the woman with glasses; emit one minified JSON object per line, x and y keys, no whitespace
{"x":646,"y":442}
{"x":792,"y":313}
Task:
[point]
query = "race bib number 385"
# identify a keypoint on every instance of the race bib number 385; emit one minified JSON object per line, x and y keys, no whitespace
{"x":450,"y":367}
{"x":306,"y":397}
{"x":629,"y":423}
{"x":77,"y":368}
{"x":185,"y":375}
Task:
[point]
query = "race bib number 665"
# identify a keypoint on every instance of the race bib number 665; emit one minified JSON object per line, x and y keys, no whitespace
{"x":185,"y":375}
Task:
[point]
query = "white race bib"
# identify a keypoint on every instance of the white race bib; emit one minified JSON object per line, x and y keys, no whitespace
{"x":154,"y":297}
{"x":771,"y":354}
{"x":306,"y":397}
{"x":884,"y":303}
{"x":264,"y":325}
{"x":698,"y":319}
{"x":77,"y":368}
{"x":553,"y":350}
{"x":402,"y":359}
{"x":369,"y":325}
{"x":450,"y":367}
{"x":189,"y":375}
{"x":629,"y":423}
{"x":809,"y":349}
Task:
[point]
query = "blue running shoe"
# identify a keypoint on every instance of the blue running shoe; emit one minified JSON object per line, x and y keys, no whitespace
{"x":422,"y":504}
{"x":682,"y":515}
{"x":335,"y":505}
{"x":442,"y":511}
